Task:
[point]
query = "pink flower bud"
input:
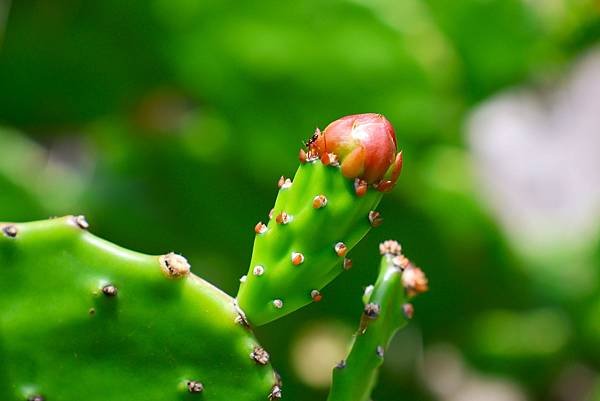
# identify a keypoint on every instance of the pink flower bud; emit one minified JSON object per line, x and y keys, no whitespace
{"x":365,"y":146}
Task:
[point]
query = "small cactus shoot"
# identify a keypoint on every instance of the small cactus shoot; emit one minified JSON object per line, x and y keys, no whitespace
{"x":386,"y":310}
{"x":320,"y":215}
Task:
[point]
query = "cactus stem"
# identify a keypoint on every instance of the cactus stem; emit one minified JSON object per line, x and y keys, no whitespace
{"x":390,"y":247}
{"x":284,"y":183}
{"x":110,"y":290}
{"x":275,"y":393}
{"x":319,"y":201}
{"x":316,"y":295}
{"x":379,"y":351}
{"x":260,"y":228}
{"x":360,"y":187}
{"x":341,"y":249}
{"x":297,"y":258}
{"x":258,"y":270}
{"x":375,"y":218}
{"x":347,"y":264}
{"x":372,"y":311}
{"x":195,"y":387}
{"x":408,"y":310}
{"x":174,"y":265}
{"x":10,"y":231}
{"x":283,"y":218}
{"x":259,"y":355}
{"x":81,"y":222}
{"x":278,"y":303}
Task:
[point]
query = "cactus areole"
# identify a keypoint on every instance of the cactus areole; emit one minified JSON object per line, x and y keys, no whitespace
{"x":320,"y":215}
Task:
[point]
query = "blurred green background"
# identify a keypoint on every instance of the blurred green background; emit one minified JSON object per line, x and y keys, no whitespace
{"x":168,"y":123}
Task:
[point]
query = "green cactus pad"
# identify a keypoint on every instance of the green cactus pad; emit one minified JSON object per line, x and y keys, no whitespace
{"x":317,"y":218}
{"x":83,"y":319}
{"x":384,"y":314}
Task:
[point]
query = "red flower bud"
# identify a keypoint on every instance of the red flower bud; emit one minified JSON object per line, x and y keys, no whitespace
{"x":365,"y":146}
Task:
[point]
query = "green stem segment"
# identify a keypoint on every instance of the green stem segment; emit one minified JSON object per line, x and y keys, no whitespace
{"x":383,"y":316}
{"x":318,"y":217}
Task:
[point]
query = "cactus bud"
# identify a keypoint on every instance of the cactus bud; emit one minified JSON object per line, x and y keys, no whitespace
{"x":365,"y":146}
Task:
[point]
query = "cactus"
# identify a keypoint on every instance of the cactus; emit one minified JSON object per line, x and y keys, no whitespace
{"x":386,"y":311}
{"x":84,"y":319}
{"x":320,"y":215}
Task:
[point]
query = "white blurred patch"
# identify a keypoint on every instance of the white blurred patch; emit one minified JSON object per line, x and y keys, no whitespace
{"x":446,"y":375}
{"x":537,"y":156}
{"x":317,"y":349}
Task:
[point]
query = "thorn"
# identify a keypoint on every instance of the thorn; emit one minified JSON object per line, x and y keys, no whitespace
{"x":379,"y":351}
{"x":390,"y":247}
{"x":347,"y":264}
{"x":271,"y":213}
{"x":259,"y":355}
{"x":375,"y":218}
{"x":260,"y":228}
{"x":81,"y":222}
{"x":319,"y":201}
{"x":284,"y":183}
{"x":242,"y":321}
{"x":278,"y":303}
{"x":401,"y":262}
{"x":408,"y":310}
{"x":92,"y":311}
{"x":110,"y":290}
{"x":341,"y":249}
{"x":360,"y":187}
{"x":316,"y":295}
{"x":341,"y":364}
{"x":302,"y":156}
{"x":195,"y":386}
{"x":258,"y":270}
{"x":10,"y":231}
{"x":283,"y":218}
{"x":243,"y":278}
{"x":275,"y":393}
{"x":372,"y":311}
{"x":241,"y":316}
{"x":297,"y":258}
{"x":174,"y":265}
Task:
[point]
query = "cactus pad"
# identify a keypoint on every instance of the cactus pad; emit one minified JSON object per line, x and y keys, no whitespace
{"x":83,"y":319}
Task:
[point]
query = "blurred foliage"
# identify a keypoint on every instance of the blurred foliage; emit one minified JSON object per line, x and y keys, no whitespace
{"x":168,"y":123}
